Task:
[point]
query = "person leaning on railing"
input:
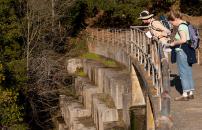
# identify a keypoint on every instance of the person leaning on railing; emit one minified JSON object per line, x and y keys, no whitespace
{"x":157,"y":30}
{"x":183,"y":55}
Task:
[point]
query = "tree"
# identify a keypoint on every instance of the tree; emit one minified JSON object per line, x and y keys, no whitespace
{"x":10,"y":31}
{"x":11,"y":49}
{"x":191,"y":7}
{"x":10,"y":111}
{"x":45,"y":35}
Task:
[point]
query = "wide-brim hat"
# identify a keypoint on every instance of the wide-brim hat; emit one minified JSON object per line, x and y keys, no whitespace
{"x":145,"y":15}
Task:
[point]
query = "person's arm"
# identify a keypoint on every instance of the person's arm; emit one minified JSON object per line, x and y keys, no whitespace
{"x":159,"y":25}
{"x":182,"y":40}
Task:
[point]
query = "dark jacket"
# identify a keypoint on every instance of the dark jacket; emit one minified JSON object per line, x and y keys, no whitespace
{"x":189,"y":51}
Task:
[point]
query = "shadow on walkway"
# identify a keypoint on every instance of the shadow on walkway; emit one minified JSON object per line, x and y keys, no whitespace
{"x":176,"y":82}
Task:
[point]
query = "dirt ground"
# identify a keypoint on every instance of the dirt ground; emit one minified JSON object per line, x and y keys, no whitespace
{"x":194,"y":20}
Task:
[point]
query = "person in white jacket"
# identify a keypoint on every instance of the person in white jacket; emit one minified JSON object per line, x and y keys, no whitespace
{"x":157,"y":30}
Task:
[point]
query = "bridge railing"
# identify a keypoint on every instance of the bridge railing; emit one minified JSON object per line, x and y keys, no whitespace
{"x":148,"y":53}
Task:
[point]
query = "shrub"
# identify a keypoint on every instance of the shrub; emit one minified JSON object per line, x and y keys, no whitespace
{"x":117,"y":13}
{"x":10,"y":111}
{"x":191,"y":7}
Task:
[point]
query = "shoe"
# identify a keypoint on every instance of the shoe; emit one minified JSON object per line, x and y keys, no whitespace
{"x":181,"y":98}
{"x":191,"y":96}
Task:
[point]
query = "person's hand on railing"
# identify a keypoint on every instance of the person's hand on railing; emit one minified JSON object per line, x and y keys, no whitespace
{"x":166,"y":47}
{"x":172,"y":44}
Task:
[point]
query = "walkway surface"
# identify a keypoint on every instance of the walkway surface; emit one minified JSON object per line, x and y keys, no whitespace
{"x":186,"y":115}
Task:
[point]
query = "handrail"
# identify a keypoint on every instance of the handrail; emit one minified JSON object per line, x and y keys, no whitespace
{"x":159,"y":66}
{"x":147,"y":52}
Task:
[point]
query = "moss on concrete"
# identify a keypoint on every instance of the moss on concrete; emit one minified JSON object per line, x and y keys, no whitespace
{"x":80,"y":72}
{"x":91,"y":56}
{"x":110,"y":63}
{"x":107,"y":62}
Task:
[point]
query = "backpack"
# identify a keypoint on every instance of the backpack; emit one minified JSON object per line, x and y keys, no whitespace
{"x":165,"y":22}
{"x":194,"y":36}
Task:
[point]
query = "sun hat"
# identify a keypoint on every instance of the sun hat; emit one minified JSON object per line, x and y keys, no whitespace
{"x":145,"y":15}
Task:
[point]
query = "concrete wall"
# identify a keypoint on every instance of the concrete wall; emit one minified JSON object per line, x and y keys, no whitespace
{"x":105,"y":96}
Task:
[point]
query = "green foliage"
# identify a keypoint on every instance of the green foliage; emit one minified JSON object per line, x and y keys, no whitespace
{"x":12,"y":68}
{"x":74,"y":17}
{"x":101,"y":4}
{"x":191,"y":7}
{"x":117,"y":13}
{"x":10,"y":31}
{"x":13,"y":74}
{"x":78,"y":46}
{"x":12,"y":45}
{"x":160,"y":7}
{"x":19,"y":127}
{"x":2,"y":77}
{"x":122,"y":13}
{"x":10,"y":112}
{"x":19,"y":71}
{"x":78,"y":15}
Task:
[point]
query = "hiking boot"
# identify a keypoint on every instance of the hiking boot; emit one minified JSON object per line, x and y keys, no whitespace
{"x":181,"y":98}
{"x":191,"y":96}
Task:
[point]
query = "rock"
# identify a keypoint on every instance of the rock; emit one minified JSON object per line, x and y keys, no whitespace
{"x":73,"y":64}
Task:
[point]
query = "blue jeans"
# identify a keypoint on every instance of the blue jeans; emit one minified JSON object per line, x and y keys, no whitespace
{"x":185,"y":71}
